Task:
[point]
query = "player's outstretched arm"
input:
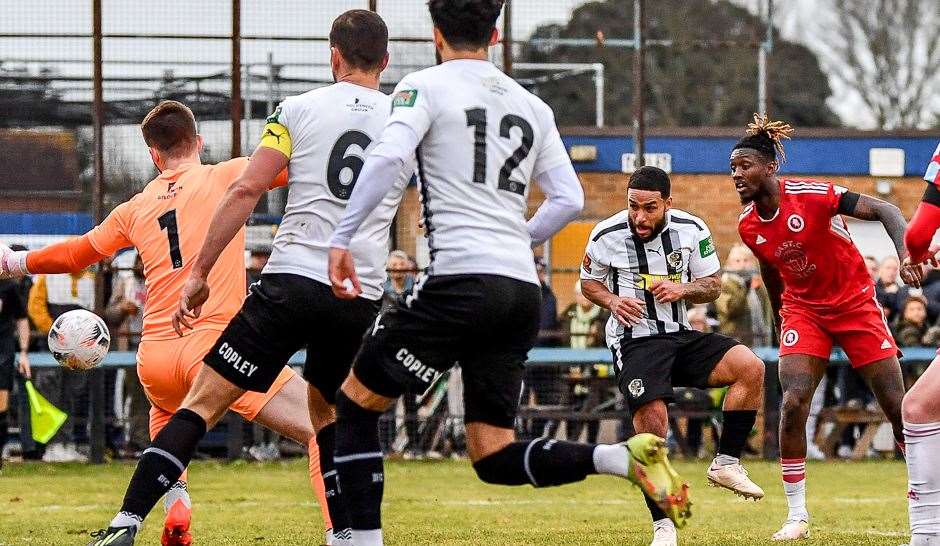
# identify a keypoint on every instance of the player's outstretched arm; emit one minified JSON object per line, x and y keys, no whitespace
{"x":866,"y":207}
{"x":66,"y":257}
{"x":923,"y":226}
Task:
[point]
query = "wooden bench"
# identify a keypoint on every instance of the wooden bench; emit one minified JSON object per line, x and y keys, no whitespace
{"x":843,"y":417}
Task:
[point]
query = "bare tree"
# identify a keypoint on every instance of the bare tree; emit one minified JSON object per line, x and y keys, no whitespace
{"x":888,"y":51}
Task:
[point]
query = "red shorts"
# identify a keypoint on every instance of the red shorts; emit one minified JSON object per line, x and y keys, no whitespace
{"x":862,"y":333}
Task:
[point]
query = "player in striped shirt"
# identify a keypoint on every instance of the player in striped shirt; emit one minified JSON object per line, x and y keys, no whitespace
{"x":644,"y":264}
{"x":921,"y":406}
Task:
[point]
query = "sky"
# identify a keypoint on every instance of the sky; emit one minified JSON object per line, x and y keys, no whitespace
{"x":798,"y":20}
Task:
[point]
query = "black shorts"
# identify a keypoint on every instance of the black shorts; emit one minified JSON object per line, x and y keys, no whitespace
{"x":649,"y":367}
{"x":282,"y":314}
{"x":487,"y":323}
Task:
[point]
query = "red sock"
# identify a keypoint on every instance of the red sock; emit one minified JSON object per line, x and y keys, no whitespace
{"x":794,"y":470}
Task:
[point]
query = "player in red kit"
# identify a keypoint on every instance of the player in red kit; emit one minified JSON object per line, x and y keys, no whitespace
{"x":820,"y":290}
{"x":921,"y":407}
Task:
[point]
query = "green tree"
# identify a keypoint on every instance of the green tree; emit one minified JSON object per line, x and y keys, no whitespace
{"x":699,"y":80}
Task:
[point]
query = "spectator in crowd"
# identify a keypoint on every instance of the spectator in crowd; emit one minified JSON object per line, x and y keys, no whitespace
{"x":744,"y":310}
{"x":873,"y":267}
{"x":401,"y":276}
{"x":911,"y":325}
{"x":582,"y":324}
{"x":31,"y":451}
{"x":124,"y":313}
{"x":14,"y":348}
{"x":49,"y":297}
{"x":125,"y":316}
{"x":891,"y":295}
{"x":549,"y":326}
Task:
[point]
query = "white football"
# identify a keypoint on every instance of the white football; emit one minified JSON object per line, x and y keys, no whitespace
{"x":79,"y":339}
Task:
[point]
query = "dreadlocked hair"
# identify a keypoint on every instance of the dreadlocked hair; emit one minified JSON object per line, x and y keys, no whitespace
{"x":766,"y":137}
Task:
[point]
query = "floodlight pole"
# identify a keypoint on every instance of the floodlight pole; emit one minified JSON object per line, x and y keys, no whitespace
{"x":639,"y":52}
{"x":507,"y":37}
{"x":235,"y":106}
{"x":763,"y":49}
{"x":96,"y":381}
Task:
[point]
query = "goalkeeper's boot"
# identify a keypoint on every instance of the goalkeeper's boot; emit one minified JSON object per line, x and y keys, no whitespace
{"x":651,"y":472}
{"x":734,"y":478}
{"x":114,"y":536}
{"x":176,"y":525}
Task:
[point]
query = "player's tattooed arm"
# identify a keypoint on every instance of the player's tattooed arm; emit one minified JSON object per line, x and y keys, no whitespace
{"x":866,"y":207}
{"x":703,"y":290}
{"x":774,"y":285}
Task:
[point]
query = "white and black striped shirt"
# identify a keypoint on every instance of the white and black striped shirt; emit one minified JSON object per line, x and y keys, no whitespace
{"x":682,"y":252}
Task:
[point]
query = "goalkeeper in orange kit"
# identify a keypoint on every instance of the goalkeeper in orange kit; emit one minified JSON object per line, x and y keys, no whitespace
{"x":167,"y":223}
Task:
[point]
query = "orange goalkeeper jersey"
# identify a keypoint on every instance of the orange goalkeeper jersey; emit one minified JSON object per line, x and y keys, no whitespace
{"x":167,"y":222}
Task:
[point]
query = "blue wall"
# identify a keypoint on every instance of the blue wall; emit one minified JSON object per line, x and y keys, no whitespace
{"x":45,"y":223}
{"x":840,"y":156}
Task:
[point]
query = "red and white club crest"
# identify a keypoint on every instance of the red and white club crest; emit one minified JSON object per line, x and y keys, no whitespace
{"x":790,"y":337}
{"x":795,"y":223}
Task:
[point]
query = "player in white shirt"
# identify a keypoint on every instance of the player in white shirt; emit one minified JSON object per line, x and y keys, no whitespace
{"x":321,"y":137}
{"x":479,"y":139}
{"x":644,"y":264}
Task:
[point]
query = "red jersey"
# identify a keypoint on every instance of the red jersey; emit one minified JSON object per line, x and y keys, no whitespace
{"x":809,"y":244}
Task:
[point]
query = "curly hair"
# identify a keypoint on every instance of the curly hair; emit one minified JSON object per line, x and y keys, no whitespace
{"x":766,"y":137}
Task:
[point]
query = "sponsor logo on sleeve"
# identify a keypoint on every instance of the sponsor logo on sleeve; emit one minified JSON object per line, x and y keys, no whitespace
{"x":706,"y":247}
{"x":273,"y":118}
{"x":405,"y":98}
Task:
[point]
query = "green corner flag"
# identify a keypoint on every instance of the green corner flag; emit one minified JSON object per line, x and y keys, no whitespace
{"x":44,"y":418}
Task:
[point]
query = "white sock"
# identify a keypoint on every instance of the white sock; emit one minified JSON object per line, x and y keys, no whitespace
{"x":923,"y":470}
{"x":372,"y":537}
{"x":339,"y":537}
{"x":610,"y":459}
{"x":328,"y":537}
{"x":796,"y":500}
{"x":663,"y":523}
{"x":126,"y":519}
{"x":726,"y":460}
{"x":177,"y":492}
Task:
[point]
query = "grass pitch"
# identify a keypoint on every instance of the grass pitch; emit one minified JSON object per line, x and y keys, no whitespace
{"x":852,"y":503}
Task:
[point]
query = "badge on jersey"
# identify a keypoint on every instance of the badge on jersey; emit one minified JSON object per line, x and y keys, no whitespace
{"x":405,"y":97}
{"x":273,"y":118}
{"x":795,"y":223}
{"x":706,"y":247}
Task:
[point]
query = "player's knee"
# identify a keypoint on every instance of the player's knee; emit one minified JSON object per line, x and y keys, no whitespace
{"x":795,"y":404}
{"x":914,"y":409}
{"x":651,"y":417}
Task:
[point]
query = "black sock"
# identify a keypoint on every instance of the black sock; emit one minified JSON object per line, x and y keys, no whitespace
{"x":655,"y":510}
{"x":4,"y":431}
{"x":163,"y":462}
{"x":735,"y":428}
{"x":326,"y":441}
{"x":359,"y":463}
{"x":541,"y":462}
